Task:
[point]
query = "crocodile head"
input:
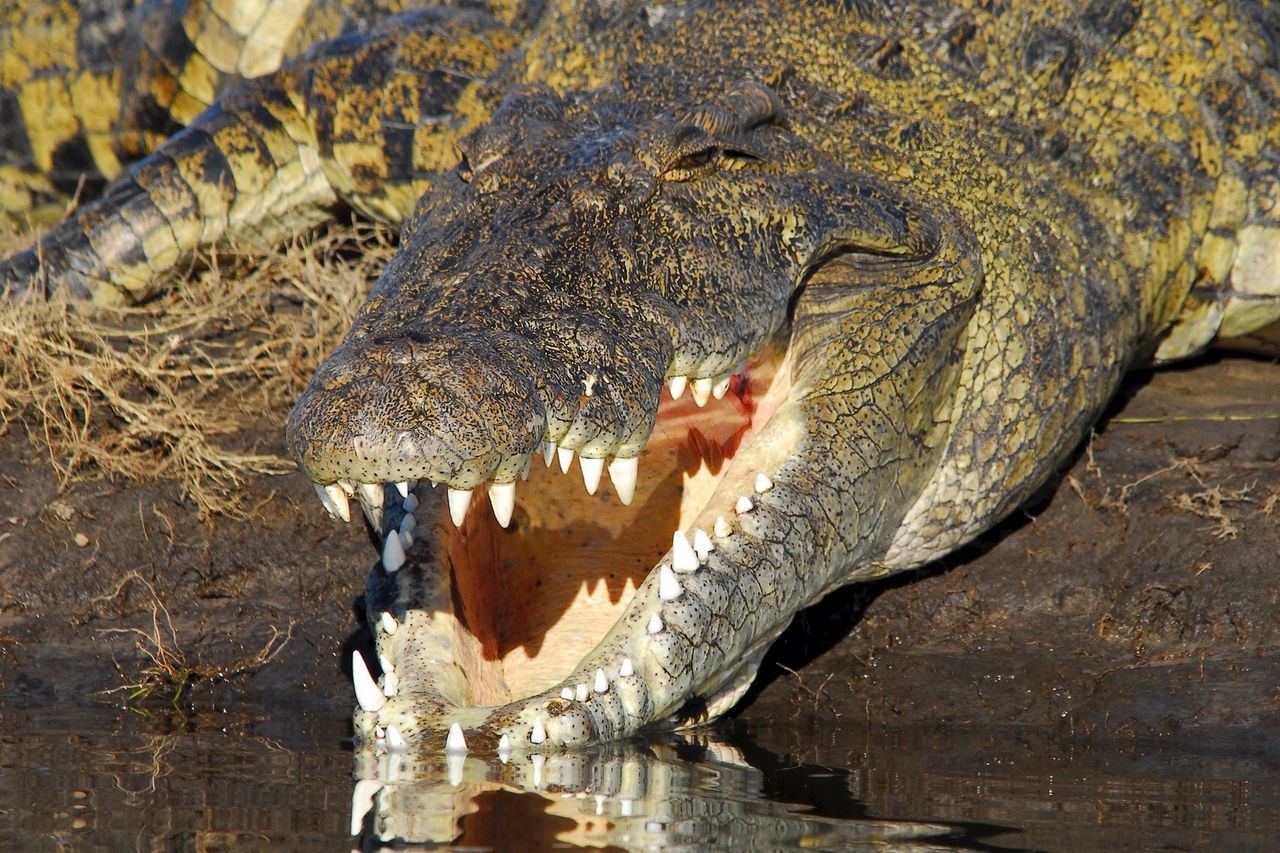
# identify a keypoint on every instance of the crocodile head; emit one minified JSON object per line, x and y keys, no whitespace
{"x":589,"y":262}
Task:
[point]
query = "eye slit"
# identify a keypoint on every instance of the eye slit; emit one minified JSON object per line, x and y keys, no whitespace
{"x":696,"y":160}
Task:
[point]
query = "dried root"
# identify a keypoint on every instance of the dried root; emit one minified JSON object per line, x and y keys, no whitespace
{"x":168,"y":668}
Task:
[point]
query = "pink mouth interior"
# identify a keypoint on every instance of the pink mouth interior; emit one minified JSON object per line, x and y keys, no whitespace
{"x":533,"y":599}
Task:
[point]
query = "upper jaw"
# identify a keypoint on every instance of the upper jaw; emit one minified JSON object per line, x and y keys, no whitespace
{"x":471,"y":403}
{"x":465,"y":403}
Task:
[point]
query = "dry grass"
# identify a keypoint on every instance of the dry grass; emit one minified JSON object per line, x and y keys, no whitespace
{"x":170,"y":389}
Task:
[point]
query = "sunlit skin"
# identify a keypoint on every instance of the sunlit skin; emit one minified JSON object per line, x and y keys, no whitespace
{"x":806,"y":295}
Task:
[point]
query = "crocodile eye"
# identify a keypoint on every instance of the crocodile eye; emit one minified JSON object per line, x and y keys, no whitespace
{"x":696,"y":160}
{"x":468,"y":171}
{"x":693,"y":164}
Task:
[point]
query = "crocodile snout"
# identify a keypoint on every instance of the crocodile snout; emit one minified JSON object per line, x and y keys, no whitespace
{"x":457,"y":409}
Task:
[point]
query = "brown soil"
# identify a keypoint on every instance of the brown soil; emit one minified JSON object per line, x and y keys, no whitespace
{"x":1137,"y":598}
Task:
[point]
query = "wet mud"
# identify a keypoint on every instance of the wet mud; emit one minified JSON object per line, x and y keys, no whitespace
{"x":1117,"y":638}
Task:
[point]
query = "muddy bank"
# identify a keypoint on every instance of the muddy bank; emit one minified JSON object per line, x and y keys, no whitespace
{"x":1136,"y":599}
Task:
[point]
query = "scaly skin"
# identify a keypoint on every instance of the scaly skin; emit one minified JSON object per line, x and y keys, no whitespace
{"x":937,"y":235}
{"x":356,"y":119}
{"x":87,"y":91}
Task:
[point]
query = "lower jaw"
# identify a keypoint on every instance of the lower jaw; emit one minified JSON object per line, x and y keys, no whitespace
{"x":491,"y":641}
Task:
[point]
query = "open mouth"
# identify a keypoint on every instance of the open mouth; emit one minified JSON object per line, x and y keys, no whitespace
{"x":571,"y":606}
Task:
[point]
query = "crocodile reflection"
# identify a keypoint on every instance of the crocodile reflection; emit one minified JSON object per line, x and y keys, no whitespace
{"x":698,"y":793}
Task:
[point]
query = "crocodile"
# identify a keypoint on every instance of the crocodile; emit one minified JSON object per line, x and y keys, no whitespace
{"x":827,"y":289}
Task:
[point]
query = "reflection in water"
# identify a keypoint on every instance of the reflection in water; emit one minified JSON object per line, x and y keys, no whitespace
{"x":97,"y":778}
{"x":635,"y":795}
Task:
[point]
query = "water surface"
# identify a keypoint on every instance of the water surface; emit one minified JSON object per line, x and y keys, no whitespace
{"x":98,"y":777}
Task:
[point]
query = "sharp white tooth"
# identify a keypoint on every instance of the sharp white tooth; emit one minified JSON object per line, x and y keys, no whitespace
{"x":372,"y":493}
{"x":325,"y":500}
{"x":565,"y":456}
{"x":408,"y":522}
{"x":627,"y":669}
{"x":368,"y":693}
{"x":403,"y":488}
{"x":548,"y":452}
{"x":459,"y":500}
{"x":702,"y":390}
{"x":388,"y":622}
{"x":454,"y":764}
{"x":668,"y":586}
{"x":337,"y":501}
{"x":602,"y":683}
{"x":406,"y":539}
{"x":566,"y":693}
{"x":677,"y":385}
{"x":455,"y":743}
{"x":392,"y":553}
{"x":655,"y":624}
{"x":683,"y":558}
{"x":348,"y":487}
{"x":502,"y":497}
{"x":379,"y":732}
{"x":410,"y":503}
{"x":722,"y":387}
{"x":763,"y":483}
{"x":362,"y":802}
{"x":394,"y":741}
{"x":722,"y":528}
{"x":390,"y":684}
{"x":623,"y":474}
{"x":744,"y":504}
{"x":539,"y":734}
{"x":582,"y":692}
{"x":504,"y":747}
{"x":537,"y":760}
{"x":591,"y":471}
{"x":702,"y":544}
{"x":385,"y":663}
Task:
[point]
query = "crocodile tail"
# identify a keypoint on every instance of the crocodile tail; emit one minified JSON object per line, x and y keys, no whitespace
{"x":85,"y":90}
{"x":245,"y":166}
{"x":370,"y":121}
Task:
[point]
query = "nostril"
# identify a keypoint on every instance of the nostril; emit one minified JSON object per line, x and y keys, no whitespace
{"x":400,"y":353}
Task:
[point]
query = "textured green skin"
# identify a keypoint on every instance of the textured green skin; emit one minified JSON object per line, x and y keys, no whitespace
{"x":971,"y":222}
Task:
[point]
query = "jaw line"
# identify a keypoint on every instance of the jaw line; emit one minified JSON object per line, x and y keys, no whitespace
{"x":625,"y":681}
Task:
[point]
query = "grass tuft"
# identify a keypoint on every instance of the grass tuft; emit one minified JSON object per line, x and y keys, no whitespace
{"x":170,"y":388}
